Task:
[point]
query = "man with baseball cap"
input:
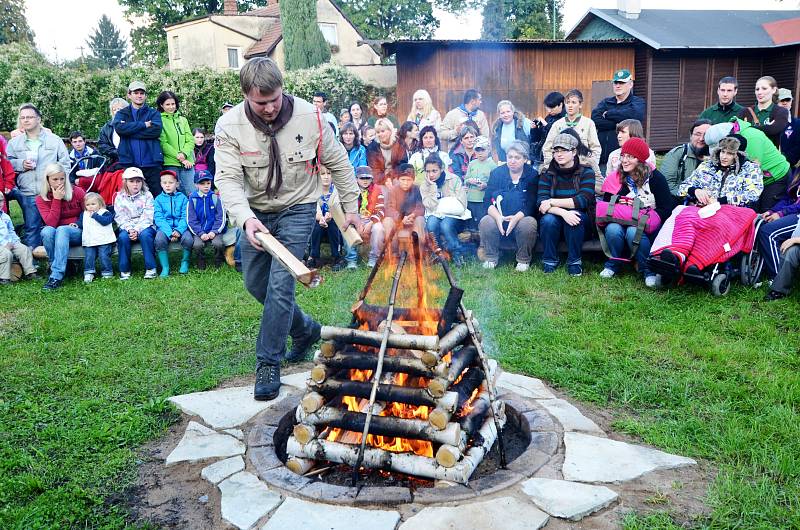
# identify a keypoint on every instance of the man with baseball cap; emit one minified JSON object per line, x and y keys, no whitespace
{"x":139,"y":129}
{"x":790,"y":137}
{"x":268,"y":148}
{"x":623,"y":105}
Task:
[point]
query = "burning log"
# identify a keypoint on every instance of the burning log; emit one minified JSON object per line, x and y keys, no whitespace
{"x":374,"y":338}
{"x":361,"y":389}
{"x":459,"y":361}
{"x":380,"y":426}
{"x":365,"y":312}
{"x":473,"y":420}
{"x":472,"y":379}
{"x":453,"y":338}
{"x":450,"y":311}
{"x":400,"y":362}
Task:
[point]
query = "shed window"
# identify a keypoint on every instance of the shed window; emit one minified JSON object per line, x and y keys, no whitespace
{"x":329,"y":32}
{"x":233,"y":58}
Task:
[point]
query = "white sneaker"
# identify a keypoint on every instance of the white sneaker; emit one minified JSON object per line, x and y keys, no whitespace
{"x":653,"y":281}
{"x":107,"y":275}
{"x":88,"y":277}
{"x":149,"y":274}
{"x":352,"y":265}
{"x":124,"y":275}
{"x":607,"y":273}
{"x":522,"y":267}
{"x":489,"y":264}
{"x":371,"y":263}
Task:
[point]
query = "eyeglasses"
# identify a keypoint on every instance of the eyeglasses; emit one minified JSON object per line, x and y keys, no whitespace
{"x":480,"y":149}
{"x":28,"y":117}
{"x":364,"y":178}
{"x":559,"y":150}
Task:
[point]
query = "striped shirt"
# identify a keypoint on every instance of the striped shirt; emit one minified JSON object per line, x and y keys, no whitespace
{"x":577,"y":185}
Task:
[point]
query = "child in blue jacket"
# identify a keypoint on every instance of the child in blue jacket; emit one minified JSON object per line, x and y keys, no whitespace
{"x":206,"y":218}
{"x":171,"y":223}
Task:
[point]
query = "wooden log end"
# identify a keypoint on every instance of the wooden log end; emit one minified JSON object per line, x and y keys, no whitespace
{"x":304,"y":433}
{"x":430,"y":358}
{"x":439,"y":418}
{"x":448,"y":455}
{"x":319,"y":373}
{"x":328,"y":349}
{"x":437,"y":387}
{"x":312,"y":402}
{"x":299,"y":465}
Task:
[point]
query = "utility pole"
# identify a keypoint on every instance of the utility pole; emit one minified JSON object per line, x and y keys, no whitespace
{"x":553,"y":14}
{"x":81,"y":49}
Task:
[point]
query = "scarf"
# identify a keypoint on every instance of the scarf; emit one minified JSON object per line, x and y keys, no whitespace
{"x":271,"y":129}
{"x":470,"y":114}
{"x":573,"y":123}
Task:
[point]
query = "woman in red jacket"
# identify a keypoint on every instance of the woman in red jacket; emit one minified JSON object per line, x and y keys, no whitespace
{"x":60,"y":205}
{"x":8,"y":178}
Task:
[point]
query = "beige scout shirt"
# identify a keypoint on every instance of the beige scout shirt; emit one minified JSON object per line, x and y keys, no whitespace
{"x":242,"y":159}
{"x":448,"y":130}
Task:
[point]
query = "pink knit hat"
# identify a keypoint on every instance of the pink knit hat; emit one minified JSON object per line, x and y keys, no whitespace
{"x":636,"y":147}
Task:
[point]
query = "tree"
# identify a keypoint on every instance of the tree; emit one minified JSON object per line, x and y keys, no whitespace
{"x":303,"y":41}
{"x":406,"y":19}
{"x":522,"y":19}
{"x":494,"y":20}
{"x":13,"y":24}
{"x":108,"y":48}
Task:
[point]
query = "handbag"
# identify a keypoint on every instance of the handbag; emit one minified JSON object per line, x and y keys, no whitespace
{"x":646,"y":220}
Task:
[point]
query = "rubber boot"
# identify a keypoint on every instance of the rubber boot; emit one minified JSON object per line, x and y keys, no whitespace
{"x":163,"y":259}
{"x":185,"y":261}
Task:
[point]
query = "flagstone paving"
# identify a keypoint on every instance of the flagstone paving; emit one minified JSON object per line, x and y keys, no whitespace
{"x":581,"y":453}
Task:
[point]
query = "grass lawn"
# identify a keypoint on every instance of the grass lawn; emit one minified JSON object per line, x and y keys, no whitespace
{"x":86,"y":371}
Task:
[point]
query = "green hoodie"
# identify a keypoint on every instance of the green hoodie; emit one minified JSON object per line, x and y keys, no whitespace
{"x":176,"y":137}
{"x":761,"y":149}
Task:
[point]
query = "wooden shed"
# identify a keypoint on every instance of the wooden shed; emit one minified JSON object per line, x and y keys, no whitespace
{"x":677,"y":71}
{"x":522,"y":71}
{"x":676,"y":57}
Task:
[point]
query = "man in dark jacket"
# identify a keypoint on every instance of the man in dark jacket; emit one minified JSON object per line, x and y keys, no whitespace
{"x":790,"y":138}
{"x":623,"y":105}
{"x":139,"y":128}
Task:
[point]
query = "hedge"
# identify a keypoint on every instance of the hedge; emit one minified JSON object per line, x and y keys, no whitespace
{"x":75,"y":98}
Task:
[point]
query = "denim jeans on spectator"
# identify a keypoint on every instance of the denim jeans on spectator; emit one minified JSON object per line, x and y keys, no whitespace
{"x":90,"y":254}
{"x":550,"y":229}
{"x":162,"y":240}
{"x":618,"y":237}
{"x":272,"y":285}
{"x":57,"y":242}
{"x":446,"y":232}
{"x":32,"y":236}
{"x":478,"y":210}
{"x":770,"y":237}
{"x":124,"y":243}
{"x":237,"y":249}
{"x":334,"y":238}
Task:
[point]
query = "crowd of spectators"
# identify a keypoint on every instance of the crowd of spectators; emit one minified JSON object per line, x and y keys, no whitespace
{"x":477,"y":189}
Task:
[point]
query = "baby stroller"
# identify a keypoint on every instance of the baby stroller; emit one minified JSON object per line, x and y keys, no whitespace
{"x":710,"y":251}
{"x":102,"y":179}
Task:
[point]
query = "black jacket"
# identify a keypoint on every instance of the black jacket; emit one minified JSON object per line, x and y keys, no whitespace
{"x":516,"y":198}
{"x":608,"y":113}
{"x":105,"y":143}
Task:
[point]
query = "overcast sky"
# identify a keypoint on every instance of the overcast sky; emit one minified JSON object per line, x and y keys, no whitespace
{"x":62,"y":27}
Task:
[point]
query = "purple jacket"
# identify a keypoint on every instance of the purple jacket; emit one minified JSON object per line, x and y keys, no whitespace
{"x":790,"y":202}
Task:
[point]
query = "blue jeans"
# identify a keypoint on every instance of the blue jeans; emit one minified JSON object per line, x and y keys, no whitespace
{"x":617,"y":237}
{"x":56,"y":242}
{"x":446,"y":232}
{"x":550,"y":229}
{"x":769,"y":239}
{"x":237,"y":248}
{"x":32,"y":236}
{"x":162,"y":240}
{"x":334,"y":238}
{"x":478,"y":210}
{"x":90,"y":254}
{"x":185,"y":179}
{"x":146,"y":238}
{"x":272,"y":285}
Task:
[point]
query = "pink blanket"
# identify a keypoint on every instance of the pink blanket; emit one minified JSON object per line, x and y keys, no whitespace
{"x":704,"y":242}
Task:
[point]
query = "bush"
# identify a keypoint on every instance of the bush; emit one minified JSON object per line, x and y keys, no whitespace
{"x":77,"y":98}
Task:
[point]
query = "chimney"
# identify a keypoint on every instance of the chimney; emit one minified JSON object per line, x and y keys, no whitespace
{"x":629,"y":8}
{"x":230,"y":8}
